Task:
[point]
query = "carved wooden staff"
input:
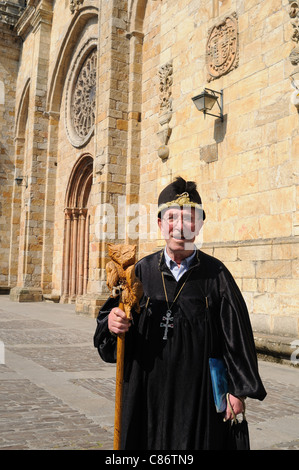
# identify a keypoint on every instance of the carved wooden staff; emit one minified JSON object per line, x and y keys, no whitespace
{"x":122,"y":282}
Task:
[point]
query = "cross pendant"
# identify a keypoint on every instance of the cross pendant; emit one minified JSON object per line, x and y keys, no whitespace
{"x":168,"y":318}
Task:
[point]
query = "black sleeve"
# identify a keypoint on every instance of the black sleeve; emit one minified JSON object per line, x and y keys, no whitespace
{"x":103,"y":340}
{"x":239,"y":348}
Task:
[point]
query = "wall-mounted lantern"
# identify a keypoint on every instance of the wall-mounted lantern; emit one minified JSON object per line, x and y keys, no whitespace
{"x":207,"y":99}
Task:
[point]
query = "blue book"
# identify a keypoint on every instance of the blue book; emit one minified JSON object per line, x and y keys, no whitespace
{"x":218,"y":374}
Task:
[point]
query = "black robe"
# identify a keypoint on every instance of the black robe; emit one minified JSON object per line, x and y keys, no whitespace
{"x":167,"y":394}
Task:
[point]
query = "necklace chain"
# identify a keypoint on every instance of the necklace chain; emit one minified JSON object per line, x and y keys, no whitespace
{"x":165,"y":291}
{"x":169,"y":318}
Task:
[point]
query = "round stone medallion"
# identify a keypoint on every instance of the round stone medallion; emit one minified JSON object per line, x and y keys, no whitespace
{"x":81,"y":100}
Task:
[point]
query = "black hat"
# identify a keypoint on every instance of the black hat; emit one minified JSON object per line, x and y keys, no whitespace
{"x":182,"y":193}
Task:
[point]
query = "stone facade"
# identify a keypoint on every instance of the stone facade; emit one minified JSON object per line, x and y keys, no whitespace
{"x":96,"y":113}
{"x":9,"y":62}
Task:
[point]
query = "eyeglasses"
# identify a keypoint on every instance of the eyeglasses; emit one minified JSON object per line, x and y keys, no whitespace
{"x":173,"y":219}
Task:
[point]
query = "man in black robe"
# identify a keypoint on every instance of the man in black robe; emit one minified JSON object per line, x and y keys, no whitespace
{"x":191,"y":310}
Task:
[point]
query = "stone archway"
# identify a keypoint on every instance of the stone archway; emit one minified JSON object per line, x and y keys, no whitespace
{"x":76,"y":231}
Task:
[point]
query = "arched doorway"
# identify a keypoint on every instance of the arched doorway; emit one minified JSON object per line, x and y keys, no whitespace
{"x":76,"y":231}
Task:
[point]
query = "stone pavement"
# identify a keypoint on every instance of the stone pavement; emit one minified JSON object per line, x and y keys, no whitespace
{"x":57,"y":393}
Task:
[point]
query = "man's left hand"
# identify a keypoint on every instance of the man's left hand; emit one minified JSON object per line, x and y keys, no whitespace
{"x":237,"y":406}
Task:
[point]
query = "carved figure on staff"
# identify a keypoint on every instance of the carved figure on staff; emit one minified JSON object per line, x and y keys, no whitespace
{"x":127,"y":289}
{"x":191,"y":308}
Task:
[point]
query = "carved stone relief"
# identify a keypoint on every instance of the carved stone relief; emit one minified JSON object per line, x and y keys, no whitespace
{"x":10,"y":12}
{"x":294,"y":55}
{"x":75,"y":5}
{"x":165,"y":114}
{"x":294,"y":15}
{"x":81,"y":99}
{"x":222,"y":49}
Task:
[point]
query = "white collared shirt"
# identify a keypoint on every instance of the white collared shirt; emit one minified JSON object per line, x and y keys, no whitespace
{"x":178,"y":271}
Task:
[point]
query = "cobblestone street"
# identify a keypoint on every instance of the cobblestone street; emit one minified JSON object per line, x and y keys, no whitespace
{"x":56,"y":392}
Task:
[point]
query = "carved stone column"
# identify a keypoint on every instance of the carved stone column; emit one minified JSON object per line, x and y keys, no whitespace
{"x":86,"y":255}
{"x":74,"y":254}
{"x":166,"y":80}
{"x":66,"y":264}
{"x":82,"y":217}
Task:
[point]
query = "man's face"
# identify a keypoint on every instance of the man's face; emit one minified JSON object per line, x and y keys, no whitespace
{"x":180,"y":226}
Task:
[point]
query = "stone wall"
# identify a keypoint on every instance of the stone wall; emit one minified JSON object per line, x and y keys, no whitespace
{"x":9,"y":63}
{"x":246,"y":167}
{"x":152,"y":58}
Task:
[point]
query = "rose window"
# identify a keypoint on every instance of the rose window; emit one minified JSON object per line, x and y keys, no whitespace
{"x":81,"y":98}
{"x":84,"y":97}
